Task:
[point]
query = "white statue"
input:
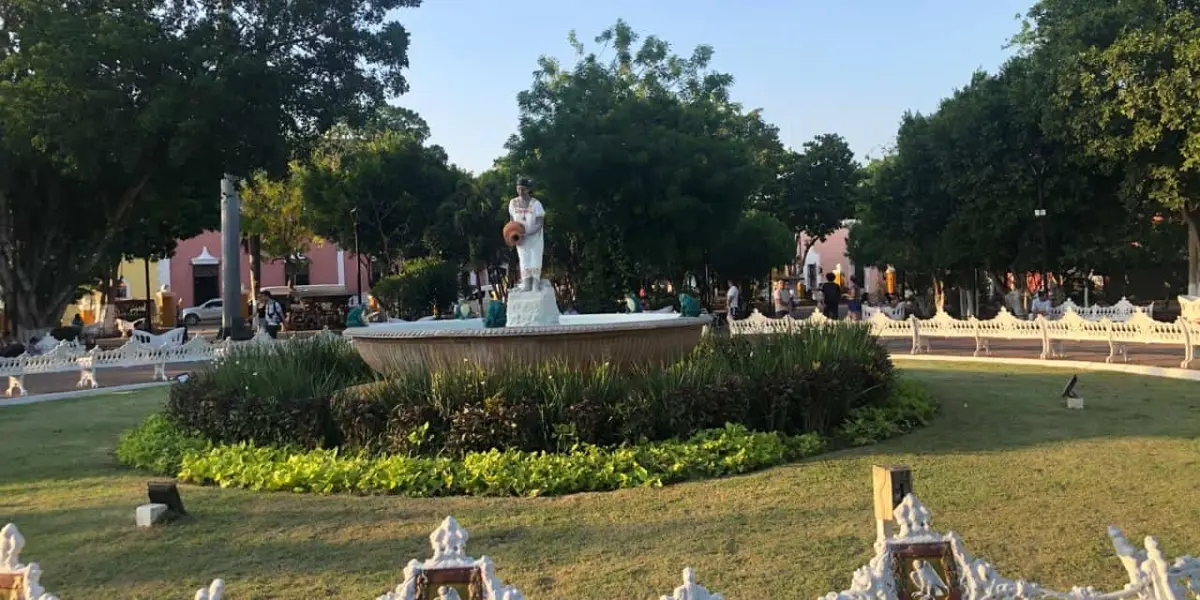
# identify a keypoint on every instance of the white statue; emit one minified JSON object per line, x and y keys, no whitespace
{"x":530,"y":213}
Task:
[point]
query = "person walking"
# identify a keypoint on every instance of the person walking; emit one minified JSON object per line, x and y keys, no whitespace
{"x":831,"y":293}
{"x":272,"y":314}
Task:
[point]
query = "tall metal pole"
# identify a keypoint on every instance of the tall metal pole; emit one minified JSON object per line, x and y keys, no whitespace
{"x":357,"y":258}
{"x":232,"y":324}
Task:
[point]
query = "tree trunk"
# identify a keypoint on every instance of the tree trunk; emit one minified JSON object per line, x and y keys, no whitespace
{"x":254,"y":249}
{"x":1193,"y":224}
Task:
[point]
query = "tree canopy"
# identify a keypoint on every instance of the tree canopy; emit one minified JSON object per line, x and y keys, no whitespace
{"x":642,"y":160}
{"x":117,"y":120}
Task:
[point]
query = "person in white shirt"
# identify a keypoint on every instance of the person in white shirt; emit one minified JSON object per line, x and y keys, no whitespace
{"x":1041,"y":305}
{"x":733,"y":299}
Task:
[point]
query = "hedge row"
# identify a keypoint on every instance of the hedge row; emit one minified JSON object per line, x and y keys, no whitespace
{"x":161,"y":446}
{"x":805,"y":382}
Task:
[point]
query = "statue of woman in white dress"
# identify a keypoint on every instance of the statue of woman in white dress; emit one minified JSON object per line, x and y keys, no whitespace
{"x":528,"y":211}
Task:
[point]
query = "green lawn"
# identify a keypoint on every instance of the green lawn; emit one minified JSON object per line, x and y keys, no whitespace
{"x":1028,"y":484}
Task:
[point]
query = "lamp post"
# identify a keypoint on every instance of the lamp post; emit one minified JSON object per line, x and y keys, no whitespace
{"x":357,"y":258}
{"x":1040,"y":215}
{"x":1038,"y":167}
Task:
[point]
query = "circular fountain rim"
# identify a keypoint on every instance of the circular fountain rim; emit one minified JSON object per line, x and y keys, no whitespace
{"x":412,"y":329}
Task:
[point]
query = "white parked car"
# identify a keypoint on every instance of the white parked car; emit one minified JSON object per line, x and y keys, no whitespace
{"x":209,"y":311}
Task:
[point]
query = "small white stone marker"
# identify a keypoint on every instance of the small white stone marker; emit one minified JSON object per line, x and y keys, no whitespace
{"x":1075,"y":403}
{"x":149,"y":515}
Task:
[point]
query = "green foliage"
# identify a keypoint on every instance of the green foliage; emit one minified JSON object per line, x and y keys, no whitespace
{"x":158,"y":445}
{"x":112,"y":143}
{"x":909,"y":407}
{"x":273,"y":210}
{"x":272,"y":394}
{"x":717,"y":452}
{"x":423,"y":286}
{"x":722,"y":452}
{"x":819,"y":189}
{"x":641,"y":161}
{"x":749,"y":250}
{"x":391,"y":182}
{"x":1124,"y":78}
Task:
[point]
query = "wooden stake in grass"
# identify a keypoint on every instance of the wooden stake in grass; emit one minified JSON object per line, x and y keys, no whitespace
{"x":891,"y":484}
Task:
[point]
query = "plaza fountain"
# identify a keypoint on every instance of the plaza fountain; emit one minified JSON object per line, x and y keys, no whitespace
{"x":535,"y":331}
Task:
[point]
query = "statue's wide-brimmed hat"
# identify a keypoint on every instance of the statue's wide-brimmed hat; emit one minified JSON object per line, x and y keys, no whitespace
{"x":524,"y":182}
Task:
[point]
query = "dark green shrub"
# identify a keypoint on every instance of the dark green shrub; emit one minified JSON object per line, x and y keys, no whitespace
{"x":272,"y":394}
{"x":423,"y":286}
{"x":166,"y":448}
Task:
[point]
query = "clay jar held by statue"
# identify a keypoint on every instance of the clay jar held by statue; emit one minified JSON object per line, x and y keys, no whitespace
{"x":514,"y":232}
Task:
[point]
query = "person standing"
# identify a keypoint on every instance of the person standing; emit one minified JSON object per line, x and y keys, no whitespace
{"x":733,"y":297}
{"x":831,"y":294}
{"x":854,"y":301}
{"x":780,"y":299}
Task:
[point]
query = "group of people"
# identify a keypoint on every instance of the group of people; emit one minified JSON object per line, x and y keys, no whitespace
{"x":830,"y":298}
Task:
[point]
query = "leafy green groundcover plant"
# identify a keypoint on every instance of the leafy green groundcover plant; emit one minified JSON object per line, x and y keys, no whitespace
{"x":712,"y":453}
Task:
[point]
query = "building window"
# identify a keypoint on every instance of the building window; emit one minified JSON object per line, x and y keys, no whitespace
{"x":295,"y":271}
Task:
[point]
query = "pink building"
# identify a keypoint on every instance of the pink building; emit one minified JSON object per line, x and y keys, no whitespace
{"x":195,"y":270}
{"x":830,"y":256}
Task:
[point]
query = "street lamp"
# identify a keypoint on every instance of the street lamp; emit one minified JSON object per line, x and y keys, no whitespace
{"x":1040,"y":215}
{"x":357,"y":258}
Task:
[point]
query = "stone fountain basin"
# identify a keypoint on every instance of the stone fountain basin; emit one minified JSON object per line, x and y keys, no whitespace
{"x":624,"y":340}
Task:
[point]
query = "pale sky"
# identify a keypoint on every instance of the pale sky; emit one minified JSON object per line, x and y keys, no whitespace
{"x":832,"y":66}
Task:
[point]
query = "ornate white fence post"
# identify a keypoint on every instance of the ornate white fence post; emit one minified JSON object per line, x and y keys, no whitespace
{"x":26,"y":577}
{"x":920,"y":563}
{"x":690,"y":590}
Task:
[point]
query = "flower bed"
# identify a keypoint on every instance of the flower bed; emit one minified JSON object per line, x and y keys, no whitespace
{"x":309,"y":416}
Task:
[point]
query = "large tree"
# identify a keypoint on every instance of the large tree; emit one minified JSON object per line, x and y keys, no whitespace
{"x":641,"y":159}
{"x":1126,"y":76}
{"x":818,"y":185}
{"x":274,"y":220}
{"x":113,"y":115}
{"x":384,"y":189}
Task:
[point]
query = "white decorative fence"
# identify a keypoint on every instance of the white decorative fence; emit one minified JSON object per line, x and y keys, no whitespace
{"x":1050,"y":334}
{"x":917,"y":563}
{"x":449,"y":575}
{"x":139,"y":351}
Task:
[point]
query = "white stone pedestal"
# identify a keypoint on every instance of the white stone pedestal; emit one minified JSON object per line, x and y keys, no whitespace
{"x":534,"y":308}
{"x":149,"y":515}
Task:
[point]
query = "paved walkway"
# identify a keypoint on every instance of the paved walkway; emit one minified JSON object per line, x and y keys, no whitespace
{"x":48,"y":383}
{"x":1152,"y":355}
{"x":1149,"y":355}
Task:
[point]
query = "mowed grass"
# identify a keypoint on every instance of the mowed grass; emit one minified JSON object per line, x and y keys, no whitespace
{"x":1027,"y":483}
